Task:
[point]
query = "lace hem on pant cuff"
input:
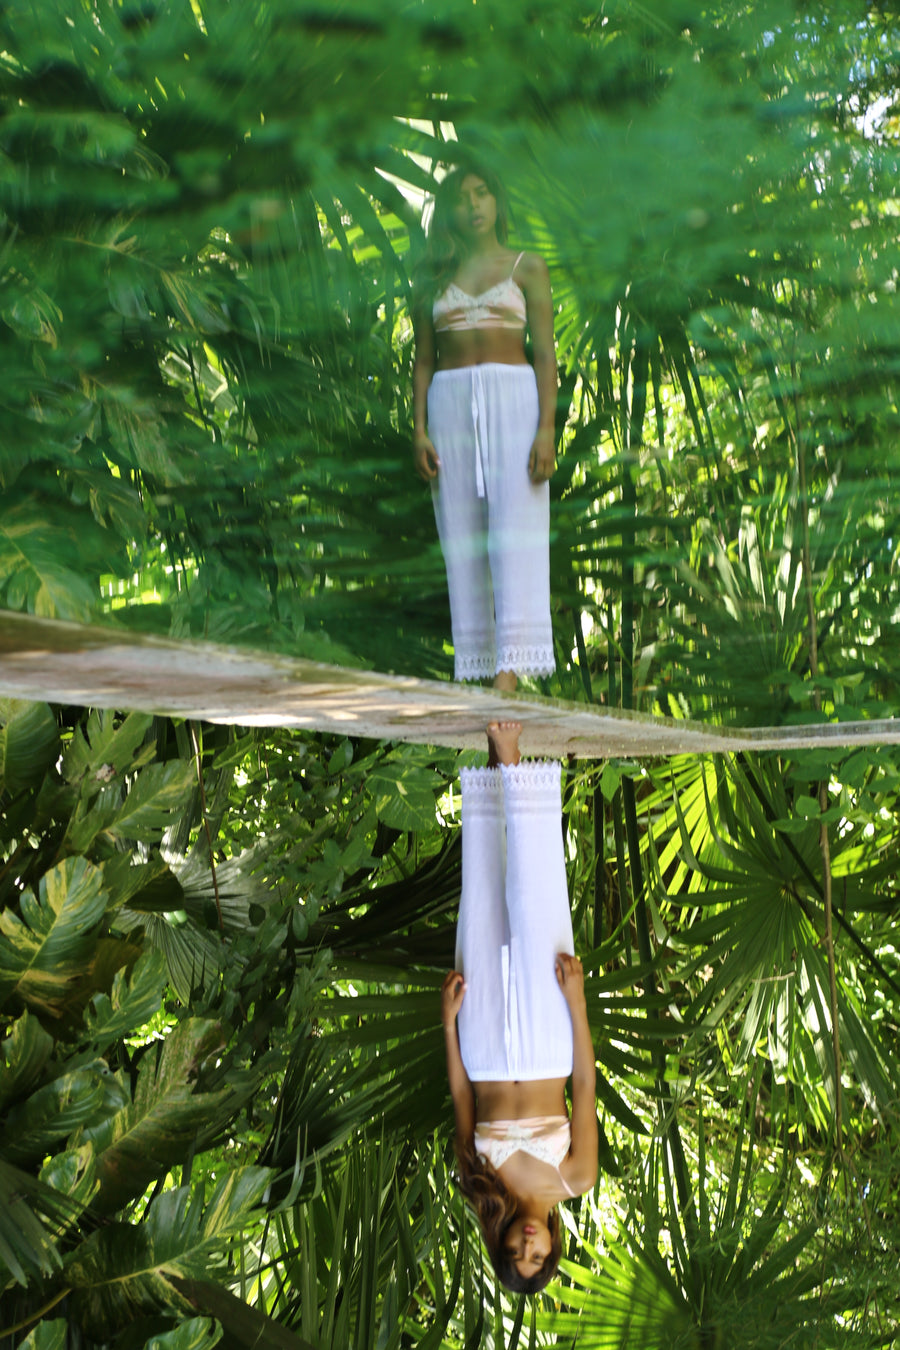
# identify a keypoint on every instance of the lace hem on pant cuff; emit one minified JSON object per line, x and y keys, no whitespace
{"x":532,"y":778}
{"x":480,"y":784}
{"x":473,"y":667}
{"x":531,"y":661}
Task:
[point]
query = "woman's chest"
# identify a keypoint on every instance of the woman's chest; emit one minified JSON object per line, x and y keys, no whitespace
{"x":525,"y":1174}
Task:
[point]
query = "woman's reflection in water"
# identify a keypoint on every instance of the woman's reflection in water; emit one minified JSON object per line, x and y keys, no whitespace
{"x":515,"y":1018}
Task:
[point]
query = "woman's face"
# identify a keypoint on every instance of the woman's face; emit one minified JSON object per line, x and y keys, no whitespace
{"x":528,"y":1243}
{"x":475,"y":209}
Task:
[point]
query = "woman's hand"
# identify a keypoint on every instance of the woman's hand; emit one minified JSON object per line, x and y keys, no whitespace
{"x":453,"y":991}
{"x":542,"y":460}
{"x":570,"y":978}
{"x":425,"y":456}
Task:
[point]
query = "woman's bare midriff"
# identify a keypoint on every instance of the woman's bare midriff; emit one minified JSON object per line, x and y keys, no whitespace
{"x":520,"y":1100}
{"x":480,"y":347}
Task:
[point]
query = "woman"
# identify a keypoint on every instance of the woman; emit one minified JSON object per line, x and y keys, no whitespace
{"x":484,"y":428}
{"x":515,"y":1020}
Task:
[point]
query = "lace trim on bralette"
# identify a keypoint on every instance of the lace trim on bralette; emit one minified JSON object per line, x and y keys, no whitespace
{"x":536,"y":1148}
{"x":498,"y":1151}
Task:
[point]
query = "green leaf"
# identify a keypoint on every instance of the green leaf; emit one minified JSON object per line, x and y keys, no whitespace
{"x":72,"y":1173}
{"x":145,"y":1137}
{"x":160,"y":792}
{"x":140,"y":436}
{"x":610,"y":779}
{"x":198,"y":1333}
{"x":54,"y":1112}
{"x":235,"y":752}
{"x":131,"y":1003}
{"x":38,"y":560}
{"x":857,"y":768}
{"x":124,"y":1269}
{"x":43,"y":952}
{"x":47,"y":1335}
{"x":342,"y":758}
{"x":149,"y":885}
{"x":29,"y":742}
{"x":23,"y":1054}
{"x":791,"y":824}
{"x":106,"y":744}
{"x":28,"y":1210}
{"x":156,"y":797}
{"x":806,"y":807}
{"x":404,"y":795}
{"x":244,"y":1324}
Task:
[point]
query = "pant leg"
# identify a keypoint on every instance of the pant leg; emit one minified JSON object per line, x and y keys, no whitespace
{"x":462,"y":522}
{"x":482,"y":931}
{"x":540,"y":922}
{"x":518,"y":522}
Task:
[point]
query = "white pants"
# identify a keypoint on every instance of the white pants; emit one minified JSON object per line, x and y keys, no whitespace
{"x":493,"y":522}
{"x":513,"y":920}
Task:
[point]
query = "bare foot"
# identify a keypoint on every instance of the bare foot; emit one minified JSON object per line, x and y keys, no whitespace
{"x":506,"y":681}
{"x":503,"y":743}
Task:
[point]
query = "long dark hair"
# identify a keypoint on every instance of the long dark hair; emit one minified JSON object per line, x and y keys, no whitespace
{"x":446,"y":247}
{"x":496,"y":1207}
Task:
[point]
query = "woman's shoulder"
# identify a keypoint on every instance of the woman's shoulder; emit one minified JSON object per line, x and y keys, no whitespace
{"x":529,"y":268}
{"x":523,"y":258}
{"x":577,"y":1177}
{"x":579,"y":1171}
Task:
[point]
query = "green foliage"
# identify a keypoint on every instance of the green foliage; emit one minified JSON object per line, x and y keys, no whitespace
{"x":234,"y":282}
{"x":199,"y":1333}
{"x":126,"y":1270}
{"x":221,"y":949}
{"x":41,"y":952}
{"x":28,"y":742}
{"x":46,"y":1336}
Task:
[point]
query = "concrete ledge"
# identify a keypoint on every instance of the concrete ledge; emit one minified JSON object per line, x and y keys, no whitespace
{"x":48,"y":660}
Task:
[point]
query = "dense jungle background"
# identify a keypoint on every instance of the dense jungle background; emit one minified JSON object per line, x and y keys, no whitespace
{"x":223,"y":1112}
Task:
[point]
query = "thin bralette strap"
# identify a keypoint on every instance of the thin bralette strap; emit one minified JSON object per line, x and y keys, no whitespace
{"x":516,"y":263}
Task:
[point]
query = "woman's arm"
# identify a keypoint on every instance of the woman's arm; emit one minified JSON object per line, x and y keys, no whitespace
{"x":424,"y":453}
{"x":453,"y":991}
{"x":581,"y":1164}
{"x":535,"y":283}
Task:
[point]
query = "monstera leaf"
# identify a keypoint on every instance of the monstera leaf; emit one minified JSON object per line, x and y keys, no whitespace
{"x":125,"y":1270}
{"x":23,"y":1055}
{"x":43,"y":952}
{"x":40,"y":561}
{"x":146,"y":1136}
{"x":74,"y":1099}
{"x":28,"y":742}
{"x":156,"y":798}
{"x":131,"y":1003}
{"x":105,"y":744}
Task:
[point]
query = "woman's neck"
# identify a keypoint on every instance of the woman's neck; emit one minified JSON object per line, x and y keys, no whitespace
{"x":533,"y":1207}
{"x":480,"y":249}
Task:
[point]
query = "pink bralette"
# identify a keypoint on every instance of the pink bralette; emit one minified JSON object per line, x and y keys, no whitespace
{"x":547,"y":1138}
{"x":501,"y":306}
